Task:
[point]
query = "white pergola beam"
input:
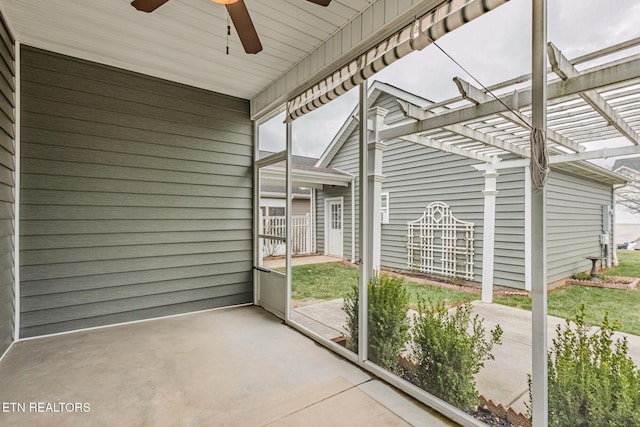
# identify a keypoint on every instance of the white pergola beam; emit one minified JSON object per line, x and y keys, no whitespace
{"x":603,"y":153}
{"x":418,"y":113}
{"x":431,"y":143}
{"x":475,"y":95}
{"x":565,"y":70}
{"x":617,"y":73}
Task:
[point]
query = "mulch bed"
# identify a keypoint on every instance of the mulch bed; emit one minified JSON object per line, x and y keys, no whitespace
{"x":456,"y":284}
{"x":609,"y":282}
{"x":489,"y":412}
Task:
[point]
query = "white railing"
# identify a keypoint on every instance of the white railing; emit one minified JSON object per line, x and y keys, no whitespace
{"x":300,"y":234}
{"x":440,"y":243}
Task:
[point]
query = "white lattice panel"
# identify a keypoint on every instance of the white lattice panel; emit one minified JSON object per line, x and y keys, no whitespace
{"x":439,"y":243}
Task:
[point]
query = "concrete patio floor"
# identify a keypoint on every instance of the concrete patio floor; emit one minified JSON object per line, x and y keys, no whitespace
{"x":233,"y":367}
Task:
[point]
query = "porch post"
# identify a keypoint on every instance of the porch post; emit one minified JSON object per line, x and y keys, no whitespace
{"x":365,"y":259}
{"x":374,"y":171}
{"x":288,"y":233}
{"x":540,"y":392}
{"x":488,"y":235}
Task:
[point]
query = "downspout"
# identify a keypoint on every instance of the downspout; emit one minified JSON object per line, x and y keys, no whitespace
{"x":614,"y":247}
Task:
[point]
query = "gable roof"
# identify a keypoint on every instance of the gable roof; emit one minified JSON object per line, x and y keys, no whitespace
{"x":296,"y":160}
{"x":305,"y":175}
{"x":631,"y":163}
{"x":376,"y":89}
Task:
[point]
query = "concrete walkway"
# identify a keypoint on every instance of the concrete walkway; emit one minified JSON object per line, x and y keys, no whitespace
{"x":234,"y":367}
{"x":504,"y":380}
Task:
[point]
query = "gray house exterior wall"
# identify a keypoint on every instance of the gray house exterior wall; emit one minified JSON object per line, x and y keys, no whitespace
{"x":574,"y":223}
{"x":136,"y":196}
{"x":7,"y":185}
{"x":416,"y":176}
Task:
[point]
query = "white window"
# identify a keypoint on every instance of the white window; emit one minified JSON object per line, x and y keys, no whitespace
{"x":384,"y":208}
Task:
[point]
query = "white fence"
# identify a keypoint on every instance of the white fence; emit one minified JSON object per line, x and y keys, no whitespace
{"x":440,"y":243}
{"x":300,"y":235}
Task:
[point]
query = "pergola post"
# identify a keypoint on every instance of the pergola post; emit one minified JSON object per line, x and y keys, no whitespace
{"x":489,"y":232}
{"x":374,"y":173}
{"x":540,"y":392}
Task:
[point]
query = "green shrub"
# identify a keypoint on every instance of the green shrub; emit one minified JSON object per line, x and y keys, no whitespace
{"x":449,"y":349}
{"x":388,"y":323}
{"x":592,"y":380}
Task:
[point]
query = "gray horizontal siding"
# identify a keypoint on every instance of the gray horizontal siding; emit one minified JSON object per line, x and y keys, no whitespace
{"x":346,"y":160}
{"x":416,"y":176}
{"x":300,"y":207}
{"x":136,"y":196}
{"x":574,"y":223}
{"x":7,"y":185}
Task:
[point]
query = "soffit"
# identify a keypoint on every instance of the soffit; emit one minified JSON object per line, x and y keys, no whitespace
{"x":184,"y":40}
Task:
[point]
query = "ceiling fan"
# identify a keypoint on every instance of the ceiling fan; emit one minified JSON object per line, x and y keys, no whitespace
{"x":238,"y":13}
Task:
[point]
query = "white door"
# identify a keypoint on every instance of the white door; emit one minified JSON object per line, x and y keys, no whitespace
{"x":334,"y":227}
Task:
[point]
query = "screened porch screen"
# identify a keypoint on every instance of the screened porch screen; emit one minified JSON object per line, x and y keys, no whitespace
{"x":439,"y":243}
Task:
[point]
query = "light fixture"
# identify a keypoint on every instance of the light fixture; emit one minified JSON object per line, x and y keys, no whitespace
{"x":225,"y":1}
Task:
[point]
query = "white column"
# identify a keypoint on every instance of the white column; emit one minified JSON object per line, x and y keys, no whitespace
{"x":489,"y":233}
{"x":374,"y":173}
{"x":613,"y":245}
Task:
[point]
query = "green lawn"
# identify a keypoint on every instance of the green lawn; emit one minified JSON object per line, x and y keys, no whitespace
{"x":565,"y":302}
{"x":323,"y":281}
{"x":335,"y":280}
{"x":622,"y":306}
{"x":628,"y":264}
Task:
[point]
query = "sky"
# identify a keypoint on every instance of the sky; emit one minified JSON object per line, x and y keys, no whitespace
{"x":493,"y":48}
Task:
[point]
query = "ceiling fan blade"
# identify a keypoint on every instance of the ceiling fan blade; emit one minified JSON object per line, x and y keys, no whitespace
{"x":147,"y":5}
{"x":321,"y":2}
{"x":244,"y":26}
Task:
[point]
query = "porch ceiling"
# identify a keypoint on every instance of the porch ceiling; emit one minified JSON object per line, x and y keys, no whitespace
{"x":184,"y":40}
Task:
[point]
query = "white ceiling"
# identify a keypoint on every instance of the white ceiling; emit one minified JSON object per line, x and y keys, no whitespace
{"x":184,"y":40}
